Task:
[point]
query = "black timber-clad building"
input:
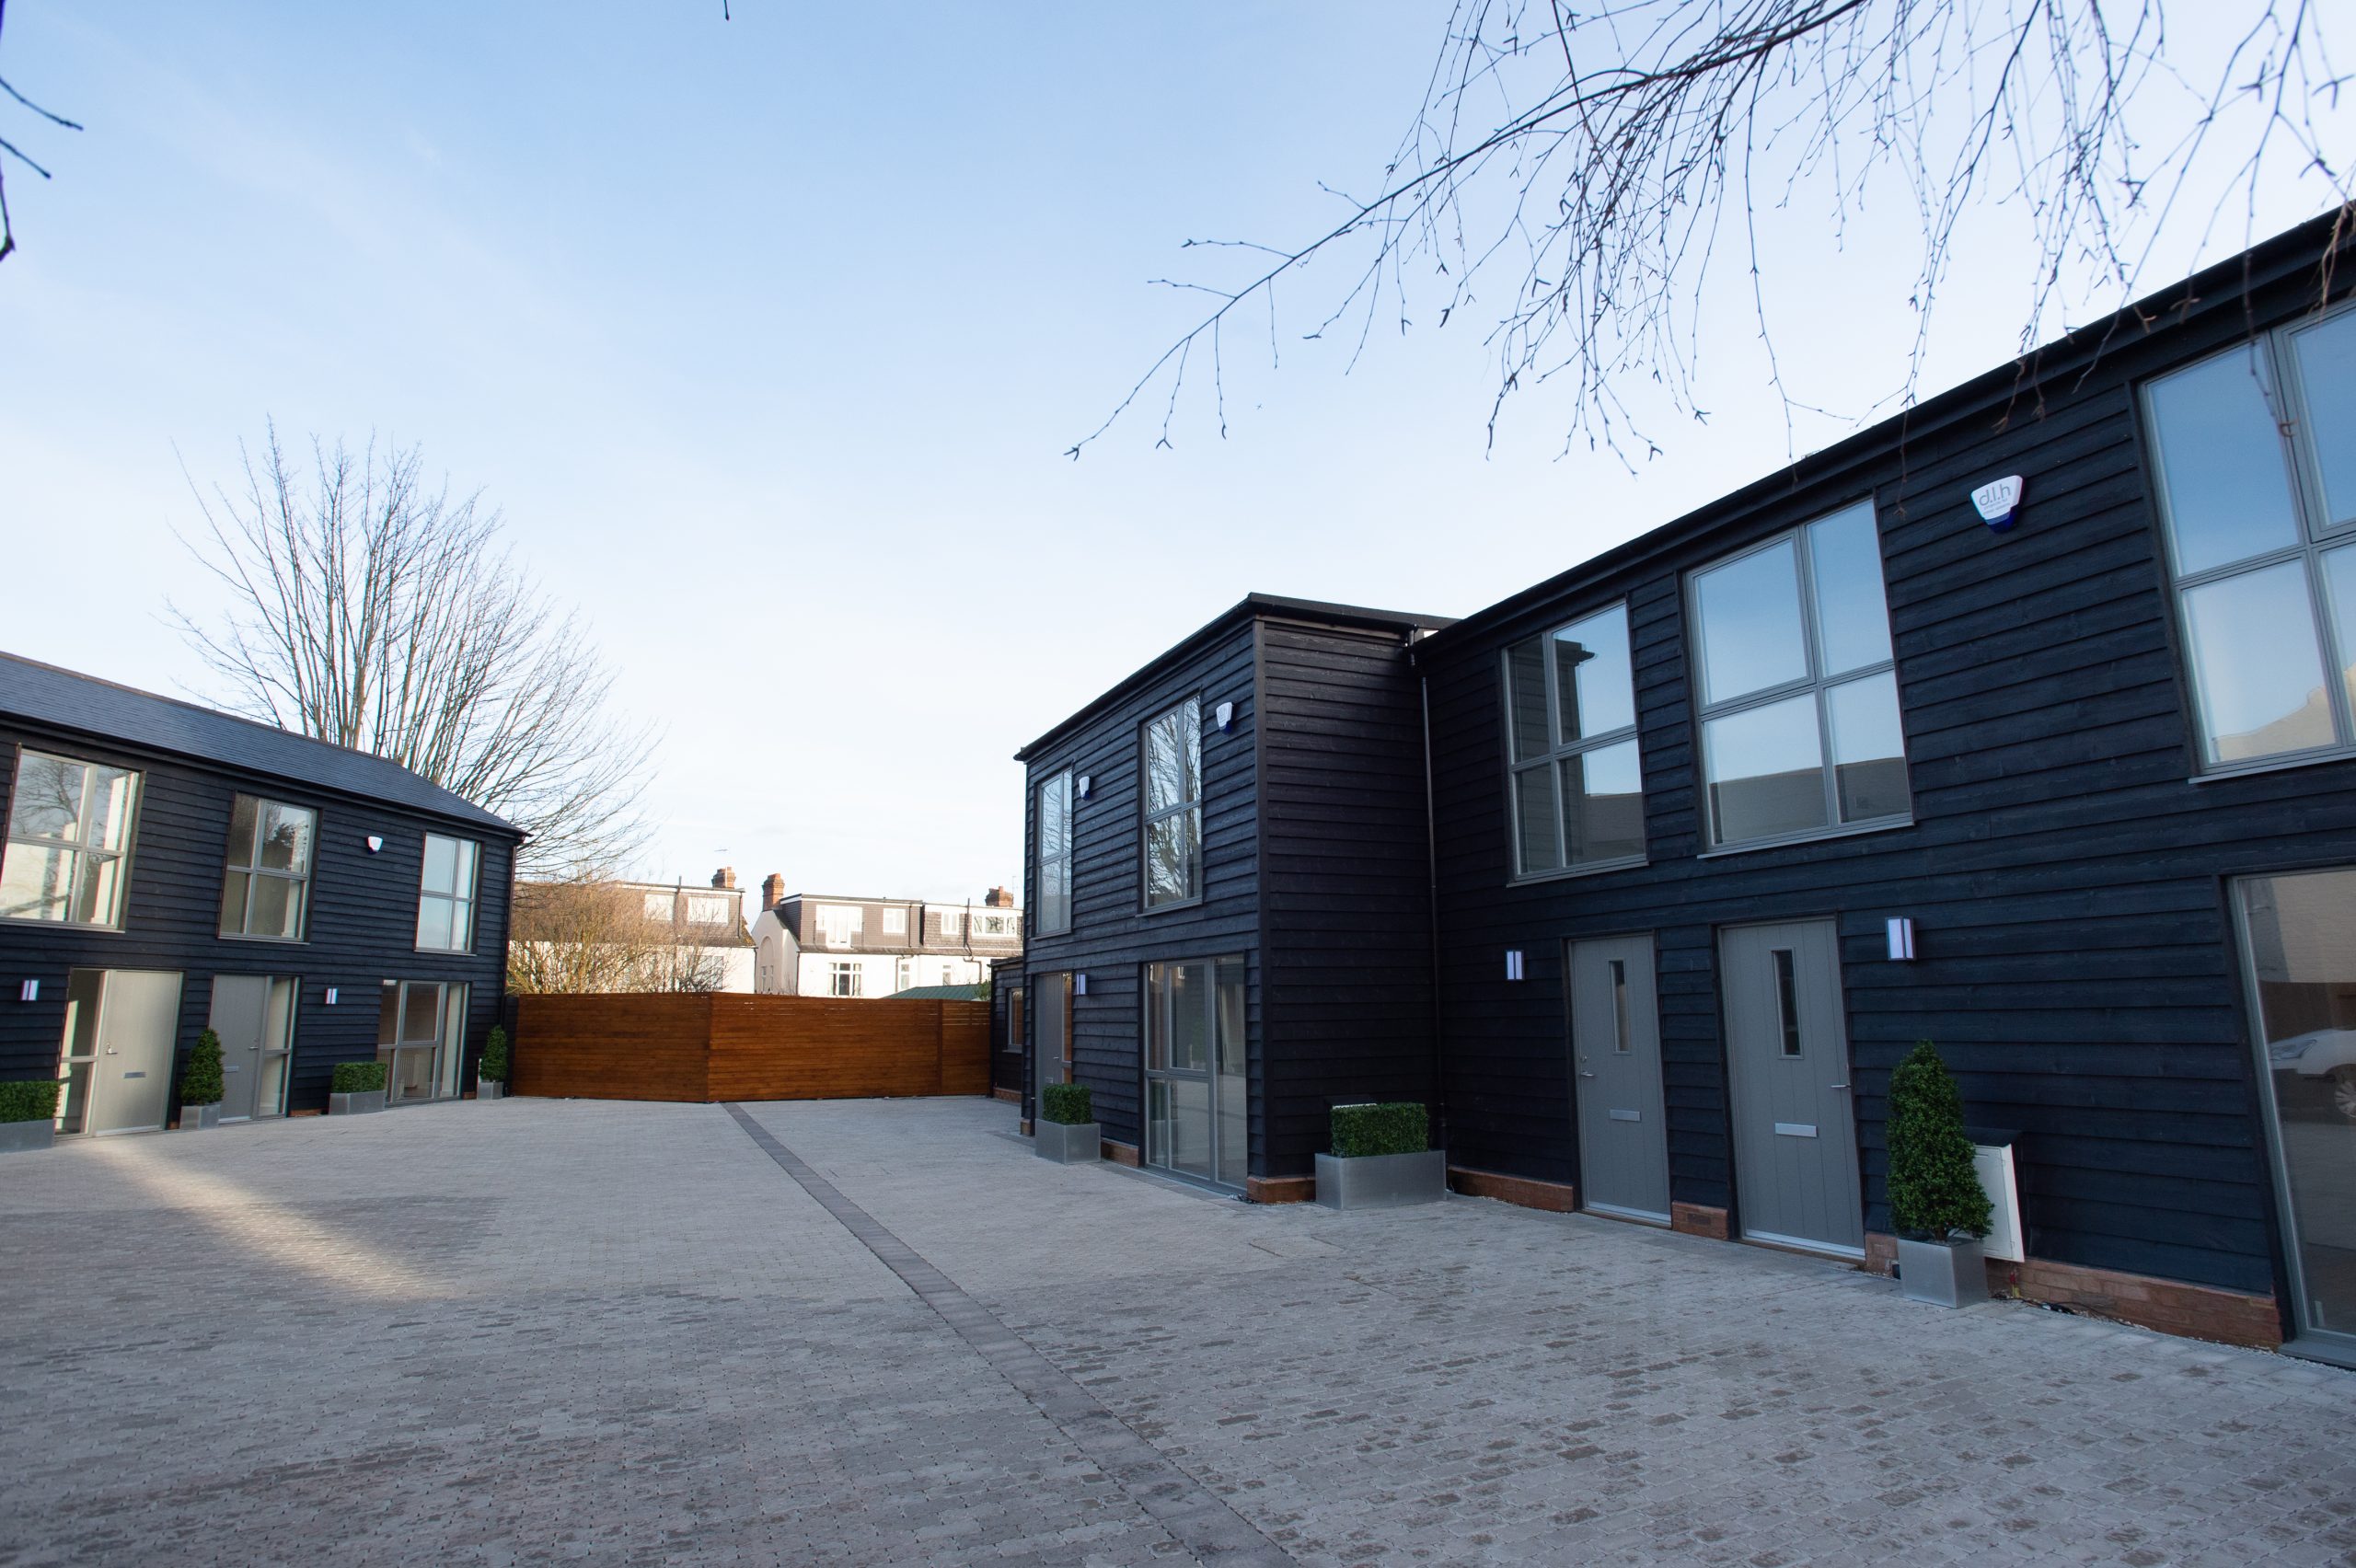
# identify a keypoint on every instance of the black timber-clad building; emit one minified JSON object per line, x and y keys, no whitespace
{"x":169,"y":868}
{"x":1229,"y":888}
{"x":2023,"y":724}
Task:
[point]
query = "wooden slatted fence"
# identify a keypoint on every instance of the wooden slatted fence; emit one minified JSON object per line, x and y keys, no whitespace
{"x":704,"y":1048}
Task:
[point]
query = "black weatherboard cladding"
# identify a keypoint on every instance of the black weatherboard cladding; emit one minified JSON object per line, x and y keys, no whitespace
{"x":363,"y":924}
{"x":1112,"y":938}
{"x":2068,"y":879}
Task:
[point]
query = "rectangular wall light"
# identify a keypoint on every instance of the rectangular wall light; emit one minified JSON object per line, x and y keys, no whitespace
{"x":1901,"y":939}
{"x":1513,"y":963}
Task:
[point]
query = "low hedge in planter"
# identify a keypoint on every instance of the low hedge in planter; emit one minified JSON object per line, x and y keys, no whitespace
{"x":33,"y":1101}
{"x":357,"y":1077}
{"x":1067,"y":1104}
{"x":1396,"y":1126}
{"x":494,"y":1057}
{"x":200,"y":1081}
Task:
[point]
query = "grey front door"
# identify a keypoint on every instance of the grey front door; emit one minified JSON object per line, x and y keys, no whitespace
{"x":1051,"y":1039}
{"x":130,"y":1074}
{"x":1787,"y":1058}
{"x":1615,"y":1083}
{"x":238,"y":1003}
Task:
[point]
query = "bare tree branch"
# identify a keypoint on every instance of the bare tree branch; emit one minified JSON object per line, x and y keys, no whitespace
{"x":1585,"y":165}
{"x":8,"y":235}
{"x":368,"y":609}
{"x":592,"y":934}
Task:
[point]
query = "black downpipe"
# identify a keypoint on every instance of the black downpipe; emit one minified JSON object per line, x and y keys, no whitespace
{"x":1431,"y":883}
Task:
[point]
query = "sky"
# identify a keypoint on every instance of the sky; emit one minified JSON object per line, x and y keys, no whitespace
{"x":768,"y":337}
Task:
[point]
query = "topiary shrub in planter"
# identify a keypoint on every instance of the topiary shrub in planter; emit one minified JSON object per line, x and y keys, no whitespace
{"x":28,"y":1112}
{"x":1935,"y":1200}
{"x":201,"y":1085}
{"x":1067,"y":1131}
{"x":355,"y":1087}
{"x":491,"y":1078}
{"x":1382,"y":1158}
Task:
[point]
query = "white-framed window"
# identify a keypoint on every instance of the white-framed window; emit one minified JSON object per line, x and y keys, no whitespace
{"x":2254,"y":461}
{"x":844,"y":980}
{"x":445,"y":895}
{"x":1054,"y":854}
{"x":662,"y":905}
{"x":1574,"y":774}
{"x":69,"y":841}
{"x":1797,"y":687}
{"x":266,"y":885}
{"x":952,"y":924}
{"x":904,"y":974}
{"x":1172,"y":802}
{"x":896,"y":921}
{"x":841,"y":925}
{"x":709,"y":909}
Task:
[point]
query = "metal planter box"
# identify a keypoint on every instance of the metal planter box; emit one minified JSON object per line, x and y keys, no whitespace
{"x":196,"y":1118}
{"x":489,"y":1089}
{"x":1381,"y":1181}
{"x":355,"y":1104}
{"x":1943,"y":1273}
{"x":1067,"y":1144}
{"x":16,"y":1137}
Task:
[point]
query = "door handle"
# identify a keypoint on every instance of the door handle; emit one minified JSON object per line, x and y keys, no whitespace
{"x":1836,"y":1086}
{"x":1584,"y":1073}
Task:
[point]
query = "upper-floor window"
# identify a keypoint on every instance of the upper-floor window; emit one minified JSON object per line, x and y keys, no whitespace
{"x":445,"y":895}
{"x":266,"y":885}
{"x":69,"y":835}
{"x":1054,"y":854}
{"x":896,"y":922}
{"x":2255,"y":454}
{"x":709,"y":909}
{"x":993,"y":925}
{"x":952,"y":923}
{"x":1172,"y":802}
{"x":662,"y":905}
{"x":1796,"y":686}
{"x":1578,"y":793}
{"x":839,"y":925}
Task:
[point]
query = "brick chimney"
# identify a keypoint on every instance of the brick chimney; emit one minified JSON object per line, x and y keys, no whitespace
{"x":773,"y":892}
{"x":725,"y":877}
{"x":998,"y":898}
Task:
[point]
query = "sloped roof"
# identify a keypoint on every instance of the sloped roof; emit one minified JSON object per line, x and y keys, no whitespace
{"x":938,"y":994}
{"x":69,"y":701}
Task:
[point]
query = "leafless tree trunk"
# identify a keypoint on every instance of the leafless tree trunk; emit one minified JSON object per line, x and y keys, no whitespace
{"x":1574,"y":172}
{"x":9,"y":149}
{"x":592,"y":935}
{"x":372,"y":610}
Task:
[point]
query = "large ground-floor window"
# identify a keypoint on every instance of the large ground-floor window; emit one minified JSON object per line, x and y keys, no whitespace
{"x":420,"y":1038}
{"x":1197,"y":1102}
{"x":2299,"y":940}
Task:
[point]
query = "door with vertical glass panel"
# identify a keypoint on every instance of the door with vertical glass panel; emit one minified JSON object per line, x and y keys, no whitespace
{"x":1787,"y":1062}
{"x":421,"y":1034}
{"x":2299,"y":946}
{"x":1615,"y":1084}
{"x":1196,"y":1073}
{"x":254,"y":1016}
{"x":1051,"y":1047}
{"x":116,"y":1056}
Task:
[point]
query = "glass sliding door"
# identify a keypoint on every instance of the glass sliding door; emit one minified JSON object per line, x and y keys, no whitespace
{"x":420,"y":1038}
{"x":1197,"y":1097}
{"x":2299,"y":941}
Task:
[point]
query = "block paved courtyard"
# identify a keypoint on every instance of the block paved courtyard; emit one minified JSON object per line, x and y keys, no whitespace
{"x":882,"y":1331}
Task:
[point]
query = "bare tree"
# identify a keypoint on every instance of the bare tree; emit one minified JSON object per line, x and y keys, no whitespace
{"x":1573,"y":173}
{"x":592,"y":934}
{"x":9,"y":149}
{"x":370,"y":608}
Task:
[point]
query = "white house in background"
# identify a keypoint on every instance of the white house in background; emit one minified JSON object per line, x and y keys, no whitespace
{"x":811,"y":944}
{"x":706,"y":921}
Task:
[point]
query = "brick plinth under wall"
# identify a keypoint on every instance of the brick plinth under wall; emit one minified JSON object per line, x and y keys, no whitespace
{"x":1554,"y":1197}
{"x":1119,"y":1153}
{"x":1280,"y":1189}
{"x":1011,"y":1096}
{"x":2172,"y":1306}
{"x":1698,"y":1219}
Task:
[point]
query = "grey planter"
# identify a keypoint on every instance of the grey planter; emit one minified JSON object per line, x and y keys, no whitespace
{"x":1943,"y":1273}
{"x":196,"y":1118}
{"x":354,"y":1104}
{"x":489,"y":1089}
{"x":1067,"y":1144}
{"x":1381,"y":1181}
{"x":15,"y":1137}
